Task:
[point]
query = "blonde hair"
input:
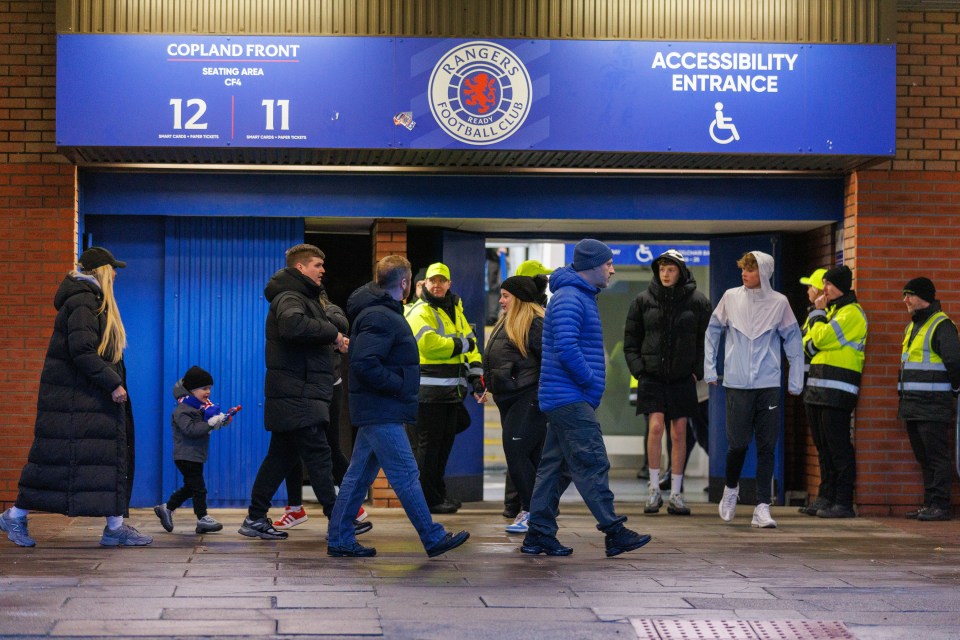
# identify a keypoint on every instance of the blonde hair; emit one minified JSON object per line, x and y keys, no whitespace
{"x":517,"y":321}
{"x":114,"y":339}
{"x":748,"y":262}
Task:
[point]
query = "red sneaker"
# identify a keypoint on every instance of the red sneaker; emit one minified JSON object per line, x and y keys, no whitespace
{"x":291,"y":519}
{"x":361,"y":515}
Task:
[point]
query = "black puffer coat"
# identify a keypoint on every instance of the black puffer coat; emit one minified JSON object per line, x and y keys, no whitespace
{"x":299,"y":352}
{"x":663,"y":336}
{"x":81,"y":460}
{"x":504,"y":369}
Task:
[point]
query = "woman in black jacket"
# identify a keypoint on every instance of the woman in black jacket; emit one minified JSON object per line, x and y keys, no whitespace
{"x":81,"y":459}
{"x":511,"y":368}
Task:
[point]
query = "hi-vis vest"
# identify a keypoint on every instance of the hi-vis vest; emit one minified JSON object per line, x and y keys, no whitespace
{"x":443,"y":376}
{"x":836,"y":350}
{"x":921,"y":370}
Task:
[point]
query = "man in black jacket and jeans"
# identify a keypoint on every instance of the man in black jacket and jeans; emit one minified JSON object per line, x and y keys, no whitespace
{"x":298,"y":388}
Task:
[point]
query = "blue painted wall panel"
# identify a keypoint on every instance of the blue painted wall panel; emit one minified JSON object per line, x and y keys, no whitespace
{"x":214,"y":313}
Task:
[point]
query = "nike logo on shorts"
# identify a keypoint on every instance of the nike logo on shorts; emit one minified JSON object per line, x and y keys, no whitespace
{"x":773,"y":407}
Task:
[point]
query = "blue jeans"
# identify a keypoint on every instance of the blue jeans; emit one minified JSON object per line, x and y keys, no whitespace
{"x":574,"y":443}
{"x":387,"y":446}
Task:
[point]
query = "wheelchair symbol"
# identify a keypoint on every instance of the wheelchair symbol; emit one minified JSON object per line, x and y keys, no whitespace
{"x":644,"y":254}
{"x":724,"y":123}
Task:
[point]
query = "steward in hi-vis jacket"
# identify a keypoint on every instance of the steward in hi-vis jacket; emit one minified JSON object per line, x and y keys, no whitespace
{"x":929,"y":381}
{"x":835,"y":341}
{"x":450,"y":366}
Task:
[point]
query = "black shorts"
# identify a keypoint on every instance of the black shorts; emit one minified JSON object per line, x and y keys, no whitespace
{"x":673,"y":399}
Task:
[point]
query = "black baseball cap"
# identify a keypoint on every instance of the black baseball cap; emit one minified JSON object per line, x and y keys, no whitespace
{"x":95,"y":257}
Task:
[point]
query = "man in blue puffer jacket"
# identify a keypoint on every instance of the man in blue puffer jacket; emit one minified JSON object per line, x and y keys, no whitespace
{"x":572,"y":378}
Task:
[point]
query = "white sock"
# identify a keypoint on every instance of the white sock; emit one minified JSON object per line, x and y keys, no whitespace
{"x":676,"y":483}
{"x":17,"y":512}
{"x":291,"y":507}
{"x":114,"y":522}
{"x":655,"y":479}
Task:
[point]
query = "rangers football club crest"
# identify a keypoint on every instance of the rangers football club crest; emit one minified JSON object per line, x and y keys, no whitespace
{"x":480,"y":93}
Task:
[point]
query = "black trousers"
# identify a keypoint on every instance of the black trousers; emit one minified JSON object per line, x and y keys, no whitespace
{"x":835,"y":453}
{"x":929,"y":441}
{"x":286,"y":448}
{"x":435,"y":433}
{"x":753,"y":414}
{"x":524,"y":432}
{"x":193,"y":487}
{"x":339,"y":461}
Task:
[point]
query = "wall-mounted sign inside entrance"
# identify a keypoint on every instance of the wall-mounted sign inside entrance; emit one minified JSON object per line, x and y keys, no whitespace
{"x":347,"y":92}
{"x":695,"y":255}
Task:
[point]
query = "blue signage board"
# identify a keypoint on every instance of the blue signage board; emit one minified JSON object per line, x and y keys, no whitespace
{"x":695,"y":255}
{"x":432,"y":93}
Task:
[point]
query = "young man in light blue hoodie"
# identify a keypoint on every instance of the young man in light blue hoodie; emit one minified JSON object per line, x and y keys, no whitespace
{"x":757,"y":322}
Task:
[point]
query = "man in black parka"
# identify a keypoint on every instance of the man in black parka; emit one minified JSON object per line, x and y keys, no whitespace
{"x":298,"y":387}
{"x":663,"y":346}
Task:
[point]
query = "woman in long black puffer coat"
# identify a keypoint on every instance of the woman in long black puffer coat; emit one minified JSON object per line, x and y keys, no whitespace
{"x":81,"y":459}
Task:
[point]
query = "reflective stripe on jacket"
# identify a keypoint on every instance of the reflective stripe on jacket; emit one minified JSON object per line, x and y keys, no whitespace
{"x":836,"y":340}
{"x":445,"y":363}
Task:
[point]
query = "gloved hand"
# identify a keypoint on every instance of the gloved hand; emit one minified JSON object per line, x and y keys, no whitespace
{"x":479,"y":385}
{"x":219,"y":420}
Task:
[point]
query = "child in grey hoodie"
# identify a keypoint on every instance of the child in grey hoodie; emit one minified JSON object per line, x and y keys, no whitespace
{"x":193,"y":419}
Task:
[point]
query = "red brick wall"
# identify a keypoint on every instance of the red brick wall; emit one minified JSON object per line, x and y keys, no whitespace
{"x":37,"y":221}
{"x":389,"y":238}
{"x":903,"y":220}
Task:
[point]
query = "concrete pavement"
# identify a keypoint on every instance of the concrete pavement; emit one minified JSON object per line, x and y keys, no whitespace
{"x":699,"y":578}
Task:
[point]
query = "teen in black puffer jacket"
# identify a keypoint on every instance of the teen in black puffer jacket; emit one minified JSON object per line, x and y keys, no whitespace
{"x":663,"y":334}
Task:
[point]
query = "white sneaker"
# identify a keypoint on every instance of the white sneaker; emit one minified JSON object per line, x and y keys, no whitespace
{"x":654,"y":500}
{"x":520,"y":524}
{"x":728,"y":503}
{"x":762,"y":519}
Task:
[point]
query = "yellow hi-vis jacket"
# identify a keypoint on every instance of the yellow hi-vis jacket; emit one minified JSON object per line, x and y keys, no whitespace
{"x":836,"y":340}
{"x":446,"y":361}
{"x":924,"y":386}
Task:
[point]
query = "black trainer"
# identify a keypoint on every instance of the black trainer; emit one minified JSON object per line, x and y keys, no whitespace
{"x":444,"y":508}
{"x":915,"y":514}
{"x":623,"y":540}
{"x":812,"y":508}
{"x":934,"y":514}
{"x":361,"y":527}
{"x":837,"y":511}
{"x":537,"y":543}
{"x":450,"y":541}
{"x":356,"y":550}
{"x":261,"y":528}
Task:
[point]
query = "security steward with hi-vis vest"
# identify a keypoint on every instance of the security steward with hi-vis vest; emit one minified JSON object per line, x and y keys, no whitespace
{"x":929,"y":380}
{"x":835,"y":341}
{"x":450,"y":366}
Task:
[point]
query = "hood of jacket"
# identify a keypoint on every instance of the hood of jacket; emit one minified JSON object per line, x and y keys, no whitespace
{"x":753,"y":312}
{"x":290,"y":279}
{"x":75,"y":284}
{"x":370,"y":295}
{"x":179,"y":391}
{"x":566,"y":276}
{"x":686,"y":283}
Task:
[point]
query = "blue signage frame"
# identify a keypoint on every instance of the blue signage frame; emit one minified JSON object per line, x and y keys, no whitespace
{"x":432,"y":93}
